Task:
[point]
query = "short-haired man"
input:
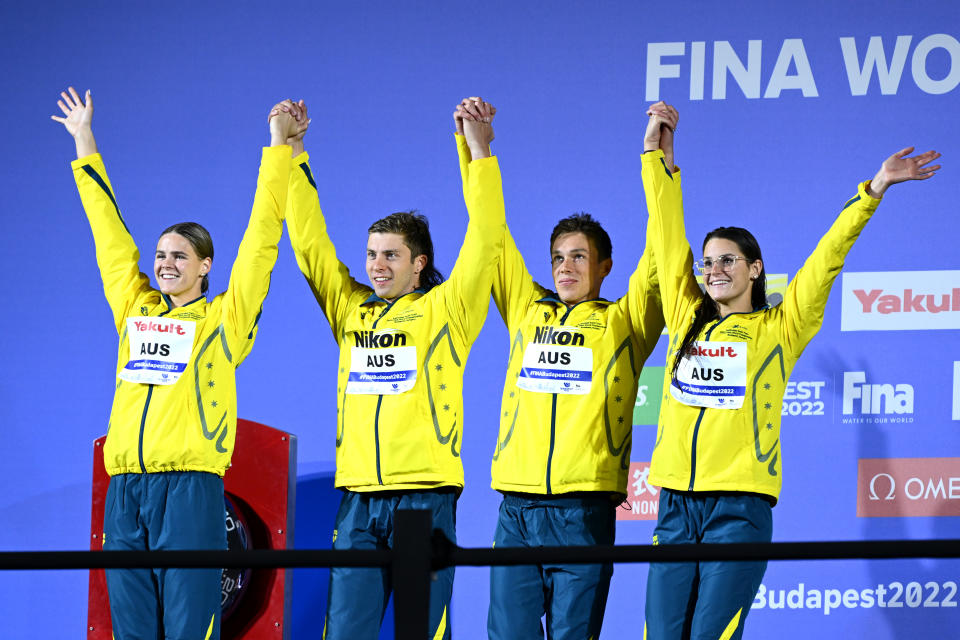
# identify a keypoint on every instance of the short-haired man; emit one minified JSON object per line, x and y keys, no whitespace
{"x":563,"y":450}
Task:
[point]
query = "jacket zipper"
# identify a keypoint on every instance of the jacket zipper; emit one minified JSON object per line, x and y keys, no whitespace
{"x":696,"y":428}
{"x":376,"y":416}
{"x":143,"y":424}
{"x":146,"y":405}
{"x":553,"y":414}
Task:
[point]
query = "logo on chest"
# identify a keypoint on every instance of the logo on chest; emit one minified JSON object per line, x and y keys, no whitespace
{"x":561,"y":336}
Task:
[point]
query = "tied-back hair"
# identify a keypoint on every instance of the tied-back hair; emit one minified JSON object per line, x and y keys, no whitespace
{"x":708,"y":309}
{"x":199,"y":238}
{"x":586,"y":224}
{"x":416,"y":235}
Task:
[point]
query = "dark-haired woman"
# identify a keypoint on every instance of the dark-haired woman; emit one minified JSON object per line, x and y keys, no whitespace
{"x":717,"y":455}
{"x":173,"y":422}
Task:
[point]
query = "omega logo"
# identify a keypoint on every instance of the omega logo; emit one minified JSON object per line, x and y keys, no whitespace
{"x":873,"y":488}
{"x":916,"y":488}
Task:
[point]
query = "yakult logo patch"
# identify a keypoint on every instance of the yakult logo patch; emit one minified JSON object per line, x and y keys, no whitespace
{"x":712,"y":374}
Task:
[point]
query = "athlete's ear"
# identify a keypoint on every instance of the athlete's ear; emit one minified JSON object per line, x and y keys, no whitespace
{"x":605,"y":267}
{"x":419,"y":264}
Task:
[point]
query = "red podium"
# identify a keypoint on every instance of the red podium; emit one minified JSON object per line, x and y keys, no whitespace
{"x":261,"y":484}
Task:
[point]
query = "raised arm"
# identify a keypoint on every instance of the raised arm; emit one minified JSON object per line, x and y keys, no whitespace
{"x":472,"y":275}
{"x":513,"y":287}
{"x":250,"y":275}
{"x":806,"y":296}
{"x":644,"y":306}
{"x":679,"y":291}
{"x":117,"y":255}
{"x":329,"y":279}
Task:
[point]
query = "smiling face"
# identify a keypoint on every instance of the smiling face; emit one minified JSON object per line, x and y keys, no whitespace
{"x":178,"y":269}
{"x":578,"y":271}
{"x":730,"y":288}
{"x":390,"y":268}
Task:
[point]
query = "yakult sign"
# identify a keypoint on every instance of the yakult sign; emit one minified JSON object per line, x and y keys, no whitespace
{"x":903,"y":487}
{"x":897,"y":300}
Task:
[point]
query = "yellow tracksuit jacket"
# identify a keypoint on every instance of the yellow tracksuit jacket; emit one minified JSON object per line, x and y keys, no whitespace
{"x":713,"y":449}
{"x":411,"y":439}
{"x":553,"y":443}
{"x":189,"y":425}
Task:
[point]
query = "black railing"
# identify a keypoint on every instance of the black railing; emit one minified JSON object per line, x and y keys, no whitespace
{"x":416,"y":553}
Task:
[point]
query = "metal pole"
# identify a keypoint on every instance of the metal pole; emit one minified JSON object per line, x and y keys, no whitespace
{"x":411,"y":574}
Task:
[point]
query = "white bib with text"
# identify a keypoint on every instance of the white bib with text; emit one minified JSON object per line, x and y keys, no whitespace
{"x":551,"y":368}
{"x":159,"y":349}
{"x":383,"y":371}
{"x":712,"y":375}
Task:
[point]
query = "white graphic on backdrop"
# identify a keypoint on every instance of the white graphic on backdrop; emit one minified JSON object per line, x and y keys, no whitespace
{"x":803,"y":398}
{"x":670,"y":60}
{"x":893,"y":595}
{"x":727,"y":62}
{"x":956,"y":390}
{"x":875,"y":401}
{"x":896,"y":300}
{"x":641,"y":483}
{"x":890,"y":70}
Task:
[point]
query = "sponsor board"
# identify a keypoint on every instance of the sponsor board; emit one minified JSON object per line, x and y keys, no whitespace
{"x":643,"y":498}
{"x":900,"y":300}
{"x":867,"y":403}
{"x":925,"y":594}
{"x":908,"y":487}
{"x":646,"y":409}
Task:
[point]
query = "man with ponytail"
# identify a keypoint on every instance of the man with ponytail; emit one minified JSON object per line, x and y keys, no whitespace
{"x":404,"y":342}
{"x":717,"y":455}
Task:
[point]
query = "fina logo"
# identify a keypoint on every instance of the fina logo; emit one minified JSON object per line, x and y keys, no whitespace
{"x":878,"y":403}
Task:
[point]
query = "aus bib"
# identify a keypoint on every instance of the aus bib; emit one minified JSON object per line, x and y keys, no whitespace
{"x":159,"y":349}
{"x":383,"y":371}
{"x":550,"y":368}
{"x":712,"y":375}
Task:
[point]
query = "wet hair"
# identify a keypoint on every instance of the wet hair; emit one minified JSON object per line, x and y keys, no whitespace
{"x":584,"y":223}
{"x":199,"y":238}
{"x":708,"y":309}
{"x":416,"y":235}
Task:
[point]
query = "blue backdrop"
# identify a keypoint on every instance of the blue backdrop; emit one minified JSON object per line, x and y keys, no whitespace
{"x":784,"y":108}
